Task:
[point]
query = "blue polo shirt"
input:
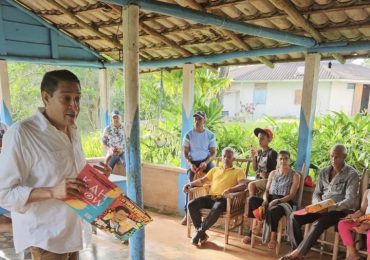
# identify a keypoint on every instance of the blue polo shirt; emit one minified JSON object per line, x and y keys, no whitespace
{"x":199,"y":143}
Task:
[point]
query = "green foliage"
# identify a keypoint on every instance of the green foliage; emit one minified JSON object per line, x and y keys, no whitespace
{"x":91,"y":144}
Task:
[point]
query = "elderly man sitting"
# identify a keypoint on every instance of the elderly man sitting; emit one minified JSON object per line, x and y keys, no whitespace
{"x":339,"y":182}
{"x":224,"y":180}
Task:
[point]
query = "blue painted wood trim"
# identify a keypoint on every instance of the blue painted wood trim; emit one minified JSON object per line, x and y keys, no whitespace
{"x":46,"y":24}
{"x":211,"y":19}
{"x":54,"y":44}
{"x":337,"y":47}
{"x":187,"y":125}
{"x":134,"y":192}
{"x":304,"y":141}
{"x":6,"y":117}
{"x":2,"y":33}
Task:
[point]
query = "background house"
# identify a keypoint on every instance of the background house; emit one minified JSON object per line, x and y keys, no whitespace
{"x":257,"y":90}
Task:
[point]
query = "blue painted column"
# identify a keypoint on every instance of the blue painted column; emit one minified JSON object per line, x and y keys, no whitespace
{"x":308,"y":107}
{"x":187,"y":124}
{"x":104,"y":98}
{"x":130,"y":21}
{"x":5,"y":116}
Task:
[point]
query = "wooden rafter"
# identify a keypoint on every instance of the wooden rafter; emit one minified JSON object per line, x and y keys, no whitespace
{"x":84,"y":24}
{"x":299,"y":20}
{"x":235,"y":38}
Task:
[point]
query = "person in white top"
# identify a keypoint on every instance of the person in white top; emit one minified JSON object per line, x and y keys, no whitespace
{"x":41,"y":157}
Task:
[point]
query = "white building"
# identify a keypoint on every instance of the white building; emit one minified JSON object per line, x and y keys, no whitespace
{"x":257,"y":90}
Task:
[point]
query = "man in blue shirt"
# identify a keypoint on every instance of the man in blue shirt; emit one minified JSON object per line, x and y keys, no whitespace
{"x":199,"y":147}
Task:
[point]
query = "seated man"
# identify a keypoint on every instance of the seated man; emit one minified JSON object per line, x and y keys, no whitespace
{"x":113,"y":140}
{"x":339,"y":182}
{"x":224,"y":180}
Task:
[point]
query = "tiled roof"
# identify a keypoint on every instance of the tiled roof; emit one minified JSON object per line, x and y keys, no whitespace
{"x":98,"y":25}
{"x":295,"y":70}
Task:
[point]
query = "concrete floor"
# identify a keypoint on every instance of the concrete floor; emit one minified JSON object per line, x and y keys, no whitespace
{"x":165,"y":239}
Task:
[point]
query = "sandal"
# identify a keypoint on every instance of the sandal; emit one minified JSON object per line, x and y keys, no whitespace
{"x":272,"y":244}
{"x":246,"y":240}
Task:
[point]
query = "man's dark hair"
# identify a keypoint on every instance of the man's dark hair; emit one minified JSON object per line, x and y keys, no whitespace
{"x":51,"y":79}
{"x":118,"y":208}
{"x":284,"y":152}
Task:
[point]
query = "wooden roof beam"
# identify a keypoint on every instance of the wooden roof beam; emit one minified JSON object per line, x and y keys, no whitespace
{"x":299,"y":20}
{"x":235,"y":38}
{"x":83,"y":24}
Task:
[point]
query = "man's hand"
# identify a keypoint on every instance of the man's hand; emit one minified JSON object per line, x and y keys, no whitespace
{"x":273,"y":203}
{"x":117,"y":151}
{"x":186,"y":188}
{"x":70,"y":187}
{"x":253,"y":152}
{"x":193,"y":168}
{"x":226,"y":192}
{"x":104,"y":169}
{"x":202,"y":166}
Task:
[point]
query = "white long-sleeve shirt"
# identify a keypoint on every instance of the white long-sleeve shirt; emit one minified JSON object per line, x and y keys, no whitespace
{"x":36,"y":154}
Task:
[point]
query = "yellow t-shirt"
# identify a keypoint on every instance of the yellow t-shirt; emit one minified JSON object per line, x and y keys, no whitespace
{"x":223,"y":179}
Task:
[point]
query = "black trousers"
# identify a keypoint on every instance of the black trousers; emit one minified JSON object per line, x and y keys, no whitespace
{"x":272,"y":215}
{"x":321,"y":222}
{"x":217,"y":206}
{"x":191,"y":174}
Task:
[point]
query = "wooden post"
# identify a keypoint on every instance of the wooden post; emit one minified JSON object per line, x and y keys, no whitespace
{"x":188,"y":72}
{"x":5,"y":115}
{"x":104,"y":98}
{"x":308,"y":106}
{"x":130,"y":21}
{"x":357,"y":96}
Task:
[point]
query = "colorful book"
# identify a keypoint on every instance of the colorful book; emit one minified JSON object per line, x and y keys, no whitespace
{"x":315,"y":208}
{"x":104,"y":205}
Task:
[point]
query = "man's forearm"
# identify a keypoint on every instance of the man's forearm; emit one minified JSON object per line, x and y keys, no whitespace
{"x":238,"y":187}
{"x":39,"y":194}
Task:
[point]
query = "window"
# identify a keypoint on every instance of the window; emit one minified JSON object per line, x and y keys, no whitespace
{"x":351,"y":86}
{"x":260,"y":93}
{"x":297,"y":96}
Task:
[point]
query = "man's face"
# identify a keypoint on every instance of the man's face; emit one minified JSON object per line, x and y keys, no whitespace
{"x":227,"y":158}
{"x":283,"y":160}
{"x":63,"y":107}
{"x":337,"y":157}
{"x":120,"y":216}
{"x":263,"y":140}
{"x":199,"y":121}
{"x":116,"y":119}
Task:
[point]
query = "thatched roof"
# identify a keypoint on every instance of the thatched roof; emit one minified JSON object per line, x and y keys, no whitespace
{"x":98,"y":25}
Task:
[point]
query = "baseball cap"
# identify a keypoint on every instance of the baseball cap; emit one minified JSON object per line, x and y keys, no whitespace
{"x":265,"y":131}
{"x":200,"y":114}
{"x":116,"y":113}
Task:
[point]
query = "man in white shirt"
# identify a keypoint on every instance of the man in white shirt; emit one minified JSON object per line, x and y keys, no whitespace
{"x":41,"y":157}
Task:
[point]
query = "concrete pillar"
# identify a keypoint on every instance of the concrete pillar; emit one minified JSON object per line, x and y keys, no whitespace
{"x":308,"y":105}
{"x":357,"y":96}
{"x":187,"y":122}
{"x":5,"y":115}
{"x":104,"y":98}
{"x":130,"y":21}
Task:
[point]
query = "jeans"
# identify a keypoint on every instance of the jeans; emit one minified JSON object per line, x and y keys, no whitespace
{"x":115,"y":158}
{"x":345,"y":232}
